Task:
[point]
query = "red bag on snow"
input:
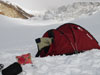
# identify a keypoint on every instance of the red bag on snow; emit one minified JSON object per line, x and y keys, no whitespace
{"x":24,"y":59}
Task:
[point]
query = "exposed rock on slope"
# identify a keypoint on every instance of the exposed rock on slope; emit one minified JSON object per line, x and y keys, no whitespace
{"x":13,"y":11}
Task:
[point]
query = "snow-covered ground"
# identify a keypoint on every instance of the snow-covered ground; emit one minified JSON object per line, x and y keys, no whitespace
{"x":17,"y":37}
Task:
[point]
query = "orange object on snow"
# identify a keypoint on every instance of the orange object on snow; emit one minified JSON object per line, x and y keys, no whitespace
{"x":24,"y":59}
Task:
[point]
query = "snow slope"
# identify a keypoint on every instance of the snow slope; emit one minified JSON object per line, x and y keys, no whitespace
{"x":17,"y":37}
{"x":40,"y":5}
{"x":71,"y":11}
{"x":57,"y":9}
{"x":45,"y":4}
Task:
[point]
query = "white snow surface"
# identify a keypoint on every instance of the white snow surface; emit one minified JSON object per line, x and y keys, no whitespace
{"x":17,"y":37}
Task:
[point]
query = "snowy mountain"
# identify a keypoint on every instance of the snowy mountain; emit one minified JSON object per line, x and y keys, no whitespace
{"x":40,"y":5}
{"x":14,"y":11}
{"x":61,"y":12}
{"x":71,"y":11}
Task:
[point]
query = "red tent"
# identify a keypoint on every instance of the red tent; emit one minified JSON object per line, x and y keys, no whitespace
{"x":69,"y":39}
